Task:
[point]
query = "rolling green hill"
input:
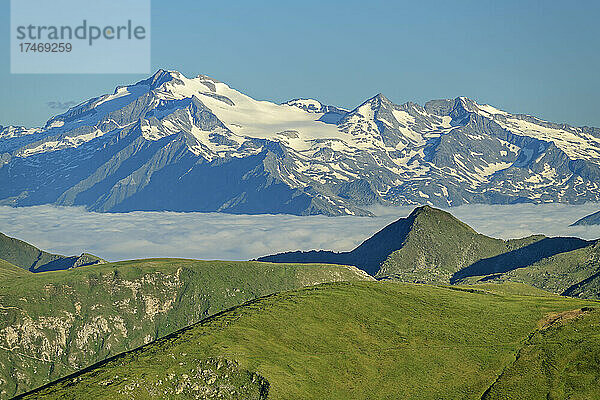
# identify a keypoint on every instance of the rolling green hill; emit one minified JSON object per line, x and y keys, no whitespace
{"x":559,"y":361}
{"x":575,"y":273}
{"x":55,"y":323}
{"x":365,"y":340}
{"x":439,"y":248}
{"x":8,"y":271}
{"x":368,"y":256}
{"x":432,"y":246}
{"x":26,"y":256}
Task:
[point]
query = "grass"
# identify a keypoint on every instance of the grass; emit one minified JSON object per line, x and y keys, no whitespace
{"x":573,"y":273}
{"x":9,"y":271}
{"x":438,"y":245}
{"x":24,"y":255}
{"x":509,"y":288}
{"x":28,"y":257}
{"x":560,"y":361}
{"x":432,"y":246}
{"x":359,"y":340}
{"x":55,"y":323}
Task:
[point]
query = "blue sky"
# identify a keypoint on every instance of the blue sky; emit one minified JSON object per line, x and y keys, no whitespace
{"x":535,"y":57}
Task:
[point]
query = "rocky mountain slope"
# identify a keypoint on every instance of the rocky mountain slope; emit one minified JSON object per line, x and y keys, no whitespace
{"x":365,"y":340}
{"x":55,"y":323}
{"x":26,"y":256}
{"x":432,"y":246}
{"x":173,"y":143}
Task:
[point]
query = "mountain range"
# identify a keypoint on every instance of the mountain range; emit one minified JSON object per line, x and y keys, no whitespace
{"x":173,"y":143}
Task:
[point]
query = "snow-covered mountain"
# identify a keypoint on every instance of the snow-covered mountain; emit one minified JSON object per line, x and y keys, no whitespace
{"x":173,"y":143}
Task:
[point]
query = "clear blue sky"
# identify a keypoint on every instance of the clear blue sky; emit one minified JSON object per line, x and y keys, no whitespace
{"x":535,"y":57}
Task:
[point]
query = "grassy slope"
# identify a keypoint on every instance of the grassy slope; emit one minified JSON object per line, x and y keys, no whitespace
{"x":428,"y":246}
{"x":439,"y":245}
{"x":361,"y":340}
{"x":22,"y":254}
{"x":9,"y":271}
{"x":558,"y":362}
{"x":432,"y":246}
{"x":29,"y":257}
{"x":508,"y":288}
{"x":54,"y":323}
{"x":368,"y":256}
{"x":573,"y":273}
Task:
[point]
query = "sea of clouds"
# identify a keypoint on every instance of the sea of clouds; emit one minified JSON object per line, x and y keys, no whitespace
{"x":73,"y":230}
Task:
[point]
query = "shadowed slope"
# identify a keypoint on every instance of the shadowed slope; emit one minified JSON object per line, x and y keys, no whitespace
{"x":521,"y":257}
{"x":368,"y":256}
{"x":592,"y":219}
{"x":573,"y":273}
{"x":29,"y":257}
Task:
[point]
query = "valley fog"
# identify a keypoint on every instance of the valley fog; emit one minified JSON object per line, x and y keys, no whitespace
{"x":119,"y":236}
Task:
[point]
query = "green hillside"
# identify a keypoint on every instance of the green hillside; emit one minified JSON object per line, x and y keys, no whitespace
{"x":9,"y":271}
{"x":362,"y":340}
{"x":438,"y":245}
{"x":575,"y":273}
{"x":55,"y":323}
{"x":429,"y":245}
{"x":22,"y":254}
{"x":559,"y":361}
{"x":432,"y":246}
{"x":29,"y":257}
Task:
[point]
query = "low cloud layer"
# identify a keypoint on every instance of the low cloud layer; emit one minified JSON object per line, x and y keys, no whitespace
{"x":72,"y":230}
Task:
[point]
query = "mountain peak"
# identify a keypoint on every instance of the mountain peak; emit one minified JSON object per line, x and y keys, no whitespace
{"x":380,"y":98}
{"x":427,"y":212}
{"x":160,"y":77}
{"x":465,"y":103}
{"x":371,"y":105}
{"x":425,"y":209}
{"x":448,"y":153}
{"x":166,"y":72}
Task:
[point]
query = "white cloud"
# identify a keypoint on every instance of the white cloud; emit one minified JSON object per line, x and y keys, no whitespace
{"x":519,"y":220}
{"x":72,"y":230}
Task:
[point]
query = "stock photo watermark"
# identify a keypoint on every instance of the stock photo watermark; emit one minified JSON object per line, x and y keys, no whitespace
{"x":69,"y":36}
